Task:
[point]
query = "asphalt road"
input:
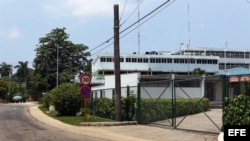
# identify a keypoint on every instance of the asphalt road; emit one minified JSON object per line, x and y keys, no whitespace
{"x":17,"y":125}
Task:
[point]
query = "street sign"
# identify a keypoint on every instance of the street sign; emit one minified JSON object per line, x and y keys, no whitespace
{"x":85,"y":91}
{"x":85,"y":79}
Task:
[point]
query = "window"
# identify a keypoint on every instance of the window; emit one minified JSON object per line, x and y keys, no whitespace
{"x":169,"y":60}
{"x":103,"y":59}
{"x":109,"y":59}
{"x":134,"y":59}
{"x":139,"y":60}
{"x":152,"y":60}
{"x":176,"y":60}
{"x":158,"y":60}
{"x":121,"y":59}
{"x":128,"y":59}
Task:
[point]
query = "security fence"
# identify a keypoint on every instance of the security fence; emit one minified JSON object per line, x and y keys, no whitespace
{"x":192,"y":103}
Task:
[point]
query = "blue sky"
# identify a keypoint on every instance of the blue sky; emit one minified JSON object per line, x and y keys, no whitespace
{"x":212,"y":23}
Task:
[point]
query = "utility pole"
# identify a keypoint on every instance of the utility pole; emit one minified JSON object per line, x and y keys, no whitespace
{"x":118,"y":107}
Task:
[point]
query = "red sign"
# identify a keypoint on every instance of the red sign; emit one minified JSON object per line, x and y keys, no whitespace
{"x":85,"y":91}
{"x":85,"y":79}
{"x":234,"y":79}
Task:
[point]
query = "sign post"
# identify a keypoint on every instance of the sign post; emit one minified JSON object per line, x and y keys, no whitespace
{"x":85,"y":91}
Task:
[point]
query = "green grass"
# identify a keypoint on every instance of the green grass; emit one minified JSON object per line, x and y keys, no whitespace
{"x":74,"y":120}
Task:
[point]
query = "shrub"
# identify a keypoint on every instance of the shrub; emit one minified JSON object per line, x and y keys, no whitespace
{"x":237,"y":110}
{"x":105,"y":108}
{"x":45,"y":101}
{"x":66,"y":99}
{"x":160,"y":109}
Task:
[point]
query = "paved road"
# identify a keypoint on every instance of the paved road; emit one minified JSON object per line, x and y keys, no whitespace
{"x":17,"y":125}
{"x":126,"y":132}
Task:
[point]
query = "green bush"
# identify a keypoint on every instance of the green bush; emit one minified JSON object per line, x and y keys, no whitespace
{"x":129,"y":108}
{"x":67,"y":99}
{"x":105,"y":108}
{"x":45,"y":101}
{"x":237,"y":110}
{"x":161,"y":109}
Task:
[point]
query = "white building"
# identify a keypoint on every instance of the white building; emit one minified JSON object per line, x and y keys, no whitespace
{"x":152,"y":64}
{"x":180,"y":62}
{"x":228,"y":58}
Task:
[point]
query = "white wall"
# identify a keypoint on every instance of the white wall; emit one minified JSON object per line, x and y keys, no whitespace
{"x":130,"y":80}
{"x":166,"y":92}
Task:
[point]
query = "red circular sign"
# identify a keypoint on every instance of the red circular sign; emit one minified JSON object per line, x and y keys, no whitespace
{"x":85,"y":79}
{"x":85,"y":91}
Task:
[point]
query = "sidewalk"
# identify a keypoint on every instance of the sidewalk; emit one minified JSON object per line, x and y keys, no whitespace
{"x":124,"y":132}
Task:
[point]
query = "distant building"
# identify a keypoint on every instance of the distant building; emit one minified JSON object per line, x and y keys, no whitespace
{"x":228,"y":58}
{"x":155,"y":63}
{"x":158,"y":65}
{"x":182,"y":62}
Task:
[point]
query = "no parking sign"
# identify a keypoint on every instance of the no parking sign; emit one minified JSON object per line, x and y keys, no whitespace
{"x":85,"y":91}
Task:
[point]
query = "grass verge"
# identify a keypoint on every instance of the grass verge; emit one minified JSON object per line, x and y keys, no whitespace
{"x":74,"y":120}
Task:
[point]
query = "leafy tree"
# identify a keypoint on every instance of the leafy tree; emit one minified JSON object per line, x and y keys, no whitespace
{"x":36,"y":81}
{"x":3,"y":88}
{"x":199,"y":71}
{"x":5,"y":69}
{"x":22,"y":71}
{"x":56,"y":53}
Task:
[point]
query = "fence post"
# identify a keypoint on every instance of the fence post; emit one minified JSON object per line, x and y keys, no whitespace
{"x":128,"y":91}
{"x":91,"y":103}
{"x":127,"y":101}
{"x":224,"y":95}
{"x":113,"y":93}
{"x":138,"y":103}
{"x":173,"y":101}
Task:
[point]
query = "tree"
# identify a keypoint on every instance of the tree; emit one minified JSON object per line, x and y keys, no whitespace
{"x":58,"y":58}
{"x":22,"y":71}
{"x":5,"y":70}
{"x":198,"y":71}
{"x":3,"y":88}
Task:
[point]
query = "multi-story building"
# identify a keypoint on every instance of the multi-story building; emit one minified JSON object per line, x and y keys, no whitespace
{"x":228,"y":58}
{"x":183,"y":61}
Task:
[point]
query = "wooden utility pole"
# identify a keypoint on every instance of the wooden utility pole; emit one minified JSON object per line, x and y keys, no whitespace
{"x":118,"y":106}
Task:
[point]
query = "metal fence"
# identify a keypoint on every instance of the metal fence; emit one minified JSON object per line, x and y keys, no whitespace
{"x":158,"y":101}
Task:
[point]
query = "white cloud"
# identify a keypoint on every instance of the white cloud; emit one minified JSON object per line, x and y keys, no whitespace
{"x":12,"y":33}
{"x":84,"y":9}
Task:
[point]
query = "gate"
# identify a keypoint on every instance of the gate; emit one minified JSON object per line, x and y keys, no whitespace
{"x":190,"y":103}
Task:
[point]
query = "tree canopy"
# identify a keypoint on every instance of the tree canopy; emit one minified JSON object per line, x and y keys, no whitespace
{"x":58,"y":59}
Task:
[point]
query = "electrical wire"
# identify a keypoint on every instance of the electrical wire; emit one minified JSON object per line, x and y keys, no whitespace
{"x":123,"y":9}
{"x":146,"y":20}
{"x":138,"y":21}
{"x":137,"y":7}
{"x":107,"y":41}
{"x":133,"y":28}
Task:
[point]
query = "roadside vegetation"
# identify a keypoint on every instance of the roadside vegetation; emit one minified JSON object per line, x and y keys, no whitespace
{"x":58,"y":60}
{"x":237,"y":110}
{"x":73,"y":120}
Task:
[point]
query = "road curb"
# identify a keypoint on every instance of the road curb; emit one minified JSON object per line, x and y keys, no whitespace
{"x":108,"y":123}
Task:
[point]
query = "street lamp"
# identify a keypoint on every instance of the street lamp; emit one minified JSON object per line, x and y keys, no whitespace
{"x":57,"y":68}
{"x":57,"y":63}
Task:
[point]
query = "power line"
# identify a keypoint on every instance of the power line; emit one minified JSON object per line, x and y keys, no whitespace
{"x":123,"y":9}
{"x":137,"y":7}
{"x":138,"y":21}
{"x":132,"y":29}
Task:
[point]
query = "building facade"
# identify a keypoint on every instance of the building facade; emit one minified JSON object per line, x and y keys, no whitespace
{"x":183,"y":61}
